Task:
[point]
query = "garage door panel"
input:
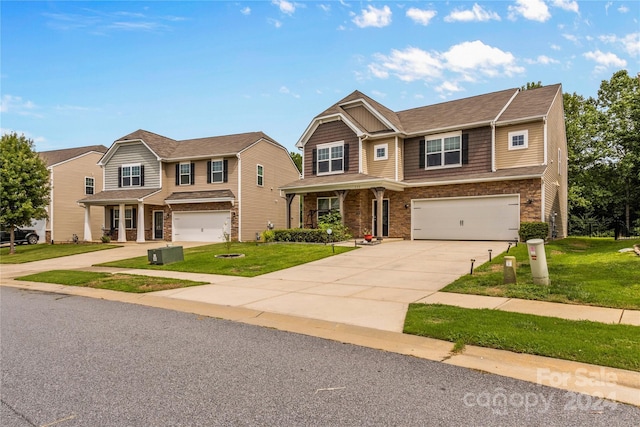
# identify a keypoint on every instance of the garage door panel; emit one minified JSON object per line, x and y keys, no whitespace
{"x":200,"y":226}
{"x":473,"y":218}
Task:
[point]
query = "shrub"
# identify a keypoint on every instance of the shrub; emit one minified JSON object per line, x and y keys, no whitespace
{"x":268,"y":236}
{"x":105,"y":239}
{"x":533,"y":230}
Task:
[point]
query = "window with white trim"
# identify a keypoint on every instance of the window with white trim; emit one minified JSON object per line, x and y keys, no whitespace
{"x":129,"y":218}
{"x":326,"y":205}
{"x":89,"y":185}
{"x":330,"y":158}
{"x":185,"y":173}
{"x":217,"y":171}
{"x":131,"y":175}
{"x":444,"y":150}
{"x":381,"y":152}
{"x":260,"y":175}
{"x":518,"y":139}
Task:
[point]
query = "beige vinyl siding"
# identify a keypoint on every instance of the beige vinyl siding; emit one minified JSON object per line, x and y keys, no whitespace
{"x":530,"y":156}
{"x":367,"y":120}
{"x":381,"y":168}
{"x":132,"y":153}
{"x":68,"y":188}
{"x":555,"y":184}
{"x":263,"y":204}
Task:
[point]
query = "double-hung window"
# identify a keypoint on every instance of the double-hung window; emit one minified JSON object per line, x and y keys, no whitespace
{"x":326,"y":205}
{"x":129,"y":218}
{"x":518,"y":139}
{"x":443,"y":150}
{"x":217,"y":171}
{"x":185,"y":173}
{"x":260,"y":175}
{"x":89,"y":185}
{"x":131,"y":175}
{"x":330,"y":158}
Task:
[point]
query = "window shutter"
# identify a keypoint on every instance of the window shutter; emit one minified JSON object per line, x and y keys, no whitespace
{"x":465,"y":148}
{"x":134,"y":218}
{"x":111,"y":220}
{"x":193,"y":173}
{"x":141,"y":175}
{"x":119,"y":176}
{"x":314,"y":161}
{"x":225,"y":172}
{"x":422,"y":154}
{"x":209,"y":172}
{"x":346,"y":157}
{"x":177,"y":173}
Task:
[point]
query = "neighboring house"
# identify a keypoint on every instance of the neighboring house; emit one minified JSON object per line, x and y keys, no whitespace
{"x":470,"y":169}
{"x":158,"y":188}
{"x":73,"y":174}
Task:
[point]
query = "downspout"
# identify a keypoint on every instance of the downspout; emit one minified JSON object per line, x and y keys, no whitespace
{"x":239,"y":197}
{"x":493,"y":146}
{"x":397,"y":150}
{"x":360,"y":154}
{"x":51,"y":207}
{"x":546,"y":154}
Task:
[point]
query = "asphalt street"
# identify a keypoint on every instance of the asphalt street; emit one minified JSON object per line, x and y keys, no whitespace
{"x":74,"y":361}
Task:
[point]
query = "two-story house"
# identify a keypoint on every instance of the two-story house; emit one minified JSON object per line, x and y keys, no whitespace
{"x":205,"y":189}
{"x":468,"y":169}
{"x":73,"y":174}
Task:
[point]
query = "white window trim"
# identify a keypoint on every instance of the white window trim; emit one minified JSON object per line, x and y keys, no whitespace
{"x":220,"y":171}
{"x":259,"y":175}
{"x":375,"y":152}
{"x":181,"y":174}
{"x":131,"y":166}
{"x":524,"y":133}
{"x":330,"y":204}
{"x":329,"y":146}
{"x":441,"y":136}
{"x":116,"y":219}
{"x":93,"y":185}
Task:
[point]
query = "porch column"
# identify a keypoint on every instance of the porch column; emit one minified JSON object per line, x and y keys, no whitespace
{"x":122,"y":231}
{"x":290,"y":198}
{"x":87,"y":224}
{"x":379,"y":193}
{"x":342,"y":194}
{"x":140,"y":237}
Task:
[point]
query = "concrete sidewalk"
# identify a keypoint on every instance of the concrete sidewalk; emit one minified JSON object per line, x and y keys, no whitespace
{"x":359,"y":297}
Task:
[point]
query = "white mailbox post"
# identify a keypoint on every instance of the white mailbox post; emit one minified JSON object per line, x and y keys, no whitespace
{"x":538,"y":261}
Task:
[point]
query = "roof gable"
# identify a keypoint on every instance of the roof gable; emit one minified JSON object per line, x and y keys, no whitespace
{"x":55,"y":157}
{"x":531,"y":103}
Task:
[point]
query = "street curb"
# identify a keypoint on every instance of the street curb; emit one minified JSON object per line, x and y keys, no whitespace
{"x":600,"y":382}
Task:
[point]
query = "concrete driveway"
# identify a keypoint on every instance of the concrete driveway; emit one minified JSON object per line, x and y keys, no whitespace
{"x":369,"y":287}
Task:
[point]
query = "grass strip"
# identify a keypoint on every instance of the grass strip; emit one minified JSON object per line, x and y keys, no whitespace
{"x":115,"y":282}
{"x":258,"y":258}
{"x":587,"y":271}
{"x":29,"y":253}
{"x":612,"y":345}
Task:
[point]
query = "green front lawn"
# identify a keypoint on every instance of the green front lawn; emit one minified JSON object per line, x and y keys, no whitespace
{"x":601,"y":344}
{"x":587,"y":271}
{"x":115,"y":282}
{"x":258,"y":258}
{"x":29,"y":253}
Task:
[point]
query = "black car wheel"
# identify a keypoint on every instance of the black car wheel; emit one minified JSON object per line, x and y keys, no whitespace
{"x":33,"y":239}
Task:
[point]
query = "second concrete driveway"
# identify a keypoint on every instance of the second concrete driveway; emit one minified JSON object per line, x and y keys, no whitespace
{"x":370,"y":287}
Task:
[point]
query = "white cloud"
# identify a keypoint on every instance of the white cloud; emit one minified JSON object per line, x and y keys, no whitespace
{"x":570,"y":5}
{"x":470,"y":58}
{"x":476,"y":13}
{"x":275,"y":22}
{"x":408,"y":65}
{"x":28,"y":135}
{"x":555,"y":47}
{"x":285,"y":6}
{"x":373,"y":17}
{"x":449,"y":88}
{"x":285,"y":90}
{"x":534,"y":10}
{"x":623,"y":9}
{"x":570,"y":37}
{"x":325,"y":7}
{"x":421,"y":16}
{"x":542,"y":59}
{"x":16,"y":105}
{"x":246,"y":10}
{"x":605,"y":60}
{"x":630,"y":43}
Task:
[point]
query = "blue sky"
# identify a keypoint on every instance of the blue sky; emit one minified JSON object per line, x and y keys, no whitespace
{"x":79,"y":73}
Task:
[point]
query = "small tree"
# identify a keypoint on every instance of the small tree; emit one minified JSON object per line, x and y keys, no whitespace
{"x":24,"y":184}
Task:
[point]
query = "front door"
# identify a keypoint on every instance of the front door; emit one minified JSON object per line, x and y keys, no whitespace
{"x":385,"y":217}
{"x":158,"y":224}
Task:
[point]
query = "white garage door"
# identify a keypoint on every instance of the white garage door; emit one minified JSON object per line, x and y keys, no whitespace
{"x":200,"y":226}
{"x":466,"y":218}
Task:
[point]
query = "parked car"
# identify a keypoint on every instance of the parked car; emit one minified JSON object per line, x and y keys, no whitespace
{"x":21,"y":235}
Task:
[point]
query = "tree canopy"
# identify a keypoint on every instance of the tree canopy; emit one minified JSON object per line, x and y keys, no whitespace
{"x":24,"y":183}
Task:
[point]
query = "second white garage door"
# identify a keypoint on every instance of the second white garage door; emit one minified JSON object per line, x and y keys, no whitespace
{"x":200,"y":226}
{"x":466,"y":218}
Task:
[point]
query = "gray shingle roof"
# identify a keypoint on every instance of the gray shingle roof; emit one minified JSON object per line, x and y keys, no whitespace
{"x":119,"y":195}
{"x":54,"y":157}
{"x":531,"y":103}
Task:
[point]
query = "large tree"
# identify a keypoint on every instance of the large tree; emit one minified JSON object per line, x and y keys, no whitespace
{"x":24,"y":184}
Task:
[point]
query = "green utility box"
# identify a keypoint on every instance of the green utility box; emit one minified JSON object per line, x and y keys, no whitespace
{"x":166,"y":255}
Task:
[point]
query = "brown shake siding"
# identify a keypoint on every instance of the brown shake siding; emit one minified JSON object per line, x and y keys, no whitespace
{"x":332,"y":132}
{"x":479,"y":156}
